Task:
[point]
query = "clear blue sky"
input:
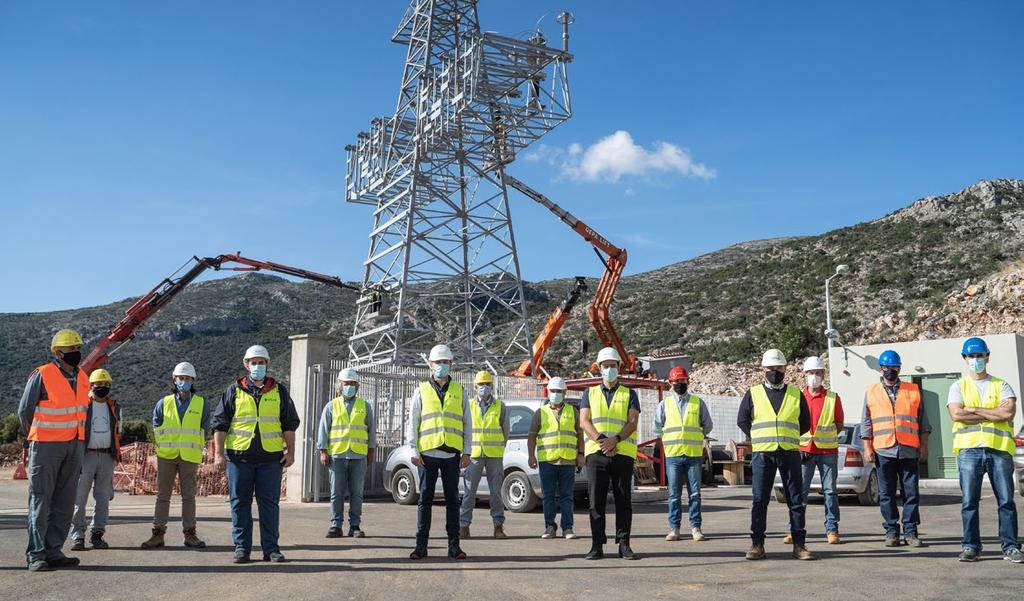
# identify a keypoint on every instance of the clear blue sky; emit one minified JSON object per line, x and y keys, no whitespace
{"x":134,"y":135}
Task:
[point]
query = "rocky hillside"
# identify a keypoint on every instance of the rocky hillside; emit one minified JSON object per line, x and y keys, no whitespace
{"x":943,"y":266}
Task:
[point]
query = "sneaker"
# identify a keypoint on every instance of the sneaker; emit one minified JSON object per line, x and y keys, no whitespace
{"x":755,"y":552}
{"x":787,"y":540}
{"x":892,"y":541}
{"x":549,"y":532}
{"x":1014,"y":555}
{"x":39,"y":566}
{"x":697,"y":535}
{"x":274,"y":557}
{"x":240,"y":557}
{"x":914,"y":541}
{"x":464,"y":532}
{"x":970,"y":555}
{"x":833,"y":538}
{"x":499,"y":532}
{"x":78,"y":544}
{"x":801,"y":552}
{"x":673,"y":535}
{"x":333,"y":532}
{"x":569,"y":534}
{"x":356,"y":532}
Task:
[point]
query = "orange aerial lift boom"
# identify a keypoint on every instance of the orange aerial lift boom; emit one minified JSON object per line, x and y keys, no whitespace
{"x":614,"y":260}
{"x":155,"y":299}
{"x":554,"y":324}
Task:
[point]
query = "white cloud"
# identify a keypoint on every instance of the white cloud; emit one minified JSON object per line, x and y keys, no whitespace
{"x":616,"y":156}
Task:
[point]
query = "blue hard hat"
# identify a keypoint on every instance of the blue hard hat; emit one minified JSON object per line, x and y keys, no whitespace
{"x":890,"y":359}
{"x":973,"y":346}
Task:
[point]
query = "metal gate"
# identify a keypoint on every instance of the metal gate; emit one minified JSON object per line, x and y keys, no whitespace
{"x":388,"y":389}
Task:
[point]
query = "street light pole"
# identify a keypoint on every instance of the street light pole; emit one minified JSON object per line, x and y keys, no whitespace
{"x":830,"y":333}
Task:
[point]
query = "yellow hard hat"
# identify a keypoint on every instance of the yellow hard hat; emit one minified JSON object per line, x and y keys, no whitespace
{"x":100,"y":375}
{"x":65,"y":338}
{"x":483,"y":377}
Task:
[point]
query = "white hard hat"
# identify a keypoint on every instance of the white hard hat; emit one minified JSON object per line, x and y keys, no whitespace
{"x":184,"y":369}
{"x":608,"y":354}
{"x":773,"y":357}
{"x":813,"y":363}
{"x":348,"y":374}
{"x":257,"y":350}
{"x":441,"y":352}
{"x":556,"y":383}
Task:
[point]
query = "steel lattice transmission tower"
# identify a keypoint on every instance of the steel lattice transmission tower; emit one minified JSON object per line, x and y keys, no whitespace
{"x":442,"y":264}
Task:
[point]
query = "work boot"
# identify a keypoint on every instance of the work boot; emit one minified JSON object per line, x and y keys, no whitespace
{"x":755,"y":552}
{"x":96,"y":540}
{"x":157,"y":540}
{"x":673,"y":535}
{"x":549,"y":532}
{"x":801,"y":552}
{"x":64,"y":562}
{"x":833,"y":538}
{"x":463,"y":532}
{"x":596,"y":552}
{"x":892,"y":541}
{"x":914,"y":541}
{"x":569,"y":534}
{"x":39,"y":565}
{"x":457,"y":553}
{"x":697,"y":535}
{"x":787,"y":540}
{"x":626,"y":553}
{"x":499,"y":532}
{"x":191,"y":540}
{"x":78,"y":544}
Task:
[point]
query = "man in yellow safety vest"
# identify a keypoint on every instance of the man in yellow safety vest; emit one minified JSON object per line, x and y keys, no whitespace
{"x":491,"y":429}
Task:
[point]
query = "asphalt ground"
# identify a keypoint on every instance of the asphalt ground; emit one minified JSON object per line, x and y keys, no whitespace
{"x":521,"y":567}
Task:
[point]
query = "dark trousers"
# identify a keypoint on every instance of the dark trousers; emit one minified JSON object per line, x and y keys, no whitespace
{"x":264,"y":481}
{"x":764,"y":466}
{"x":615,"y":472}
{"x":448,"y":470}
{"x":890,"y":471}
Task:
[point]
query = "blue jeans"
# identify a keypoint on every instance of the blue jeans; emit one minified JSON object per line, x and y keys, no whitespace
{"x":827,"y":467}
{"x":263,"y":480}
{"x":891,"y":470}
{"x":348,"y":476}
{"x":448,"y":470}
{"x":53,"y":469}
{"x":973,"y":464}
{"x":675,"y":468}
{"x":764,"y":466}
{"x":557,"y":481}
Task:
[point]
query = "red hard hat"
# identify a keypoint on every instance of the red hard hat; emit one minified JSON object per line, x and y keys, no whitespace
{"x":678,"y":374}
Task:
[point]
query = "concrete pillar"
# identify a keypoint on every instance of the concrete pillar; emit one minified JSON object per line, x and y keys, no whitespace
{"x":307,"y":350}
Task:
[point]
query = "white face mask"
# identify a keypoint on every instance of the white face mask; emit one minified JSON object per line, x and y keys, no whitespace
{"x":484,"y":391}
{"x":814,"y":381}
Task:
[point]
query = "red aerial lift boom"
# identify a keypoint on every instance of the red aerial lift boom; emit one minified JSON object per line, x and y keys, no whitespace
{"x":614,"y":260}
{"x":554,"y":324}
{"x":155,"y":299}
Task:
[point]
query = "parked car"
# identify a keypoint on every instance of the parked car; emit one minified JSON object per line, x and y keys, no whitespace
{"x":521,"y":488}
{"x":1018,"y":462}
{"x":855,"y":477}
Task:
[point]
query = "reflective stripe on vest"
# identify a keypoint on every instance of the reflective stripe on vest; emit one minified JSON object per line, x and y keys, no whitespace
{"x":249,"y":415}
{"x":992,"y":435}
{"x":349,"y":432}
{"x":771,"y":432}
{"x":610,"y":419}
{"x":61,"y":415}
{"x":556,"y":439}
{"x":440,"y":425}
{"x":184,"y":438}
{"x":825,"y":435}
{"x":894,"y":425}
{"x":488,"y":437}
{"x":682,"y":435}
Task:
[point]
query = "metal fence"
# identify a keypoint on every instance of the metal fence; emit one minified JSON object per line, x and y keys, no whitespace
{"x":388,"y":389}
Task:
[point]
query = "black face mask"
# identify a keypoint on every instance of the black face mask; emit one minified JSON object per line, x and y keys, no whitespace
{"x":891,"y":374}
{"x":774,"y":377}
{"x":679,"y":388}
{"x":101,"y":391}
{"x":72,"y":358}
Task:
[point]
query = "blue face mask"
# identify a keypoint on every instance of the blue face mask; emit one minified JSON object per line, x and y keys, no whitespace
{"x":609,"y":374}
{"x":183,"y":385}
{"x":484,"y":391}
{"x":348,"y":391}
{"x":441,"y":370}
{"x":556,"y":398}
{"x":977,"y":364}
{"x":258,"y":371}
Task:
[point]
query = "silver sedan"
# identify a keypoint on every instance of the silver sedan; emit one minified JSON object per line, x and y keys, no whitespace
{"x":855,"y":477}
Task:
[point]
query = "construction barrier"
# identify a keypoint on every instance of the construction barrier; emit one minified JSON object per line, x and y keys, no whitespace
{"x":136,"y":474}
